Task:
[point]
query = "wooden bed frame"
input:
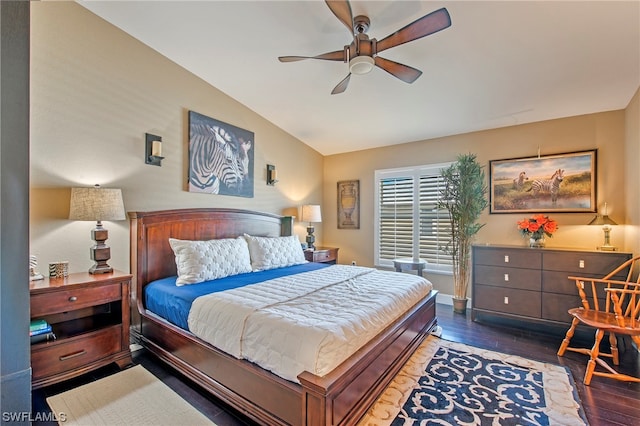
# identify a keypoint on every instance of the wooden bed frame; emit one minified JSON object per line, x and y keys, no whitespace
{"x":339,"y":398}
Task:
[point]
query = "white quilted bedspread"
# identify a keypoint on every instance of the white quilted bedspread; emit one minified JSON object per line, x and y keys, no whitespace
{"x":311,"y":321}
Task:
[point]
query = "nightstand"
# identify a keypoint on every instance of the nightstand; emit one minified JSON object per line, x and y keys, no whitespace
{"x":89,"y":315}
{"x":322,"y":255}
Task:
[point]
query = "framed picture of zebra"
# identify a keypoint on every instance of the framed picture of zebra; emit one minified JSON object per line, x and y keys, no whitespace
{"x":221,"y":157}
{"x":551,"y":183}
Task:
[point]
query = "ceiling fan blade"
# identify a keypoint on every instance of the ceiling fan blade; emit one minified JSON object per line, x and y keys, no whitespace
{"x":428,"y":24}
{"x":338,"y":55}
{"x":342,"y":86}
{"x":403,"y":72}
{"x":342,"y":10}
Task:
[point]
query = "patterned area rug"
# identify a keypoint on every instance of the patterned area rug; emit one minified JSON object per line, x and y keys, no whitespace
{"x":449,"y":383}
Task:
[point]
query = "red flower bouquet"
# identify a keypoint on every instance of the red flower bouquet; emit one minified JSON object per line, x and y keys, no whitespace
{"x":537,"y":226}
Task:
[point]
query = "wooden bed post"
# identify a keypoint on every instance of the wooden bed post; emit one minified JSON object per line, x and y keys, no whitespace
{"x":287,"y":226}
{"x":314,"y":404}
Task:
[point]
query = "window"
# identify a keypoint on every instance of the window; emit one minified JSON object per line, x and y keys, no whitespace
{"x":408,"y":223}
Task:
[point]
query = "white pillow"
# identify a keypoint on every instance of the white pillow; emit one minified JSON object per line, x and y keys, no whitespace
{"x":199,"y":261}
{"x":274,"y":252}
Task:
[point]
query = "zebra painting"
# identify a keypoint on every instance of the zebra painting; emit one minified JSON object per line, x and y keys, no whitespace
{"x":563,"y":182}
{"x":518,"y":183}
{"x":552,"y":186}
{"x":220,"y":157}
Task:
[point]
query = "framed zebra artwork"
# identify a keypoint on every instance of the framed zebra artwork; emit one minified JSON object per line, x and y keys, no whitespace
{"x":221,"y":157}
{"x":551,"y":183}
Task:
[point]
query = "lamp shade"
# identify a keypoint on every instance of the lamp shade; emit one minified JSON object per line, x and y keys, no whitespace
{"x":311,"y":213}
{"x":96,"y":204}
{"x":602,"y":220}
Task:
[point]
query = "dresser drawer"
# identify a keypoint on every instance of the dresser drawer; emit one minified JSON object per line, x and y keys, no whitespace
{"x":499,"y":276}
{"x":559,"y":282}
{"x":529,"y":258}
{"x":53,"y":358}
{"x":580,"y":263}
{"x":555,"y":306}
{"x":72,"y":299}
{"x":508,"y":300}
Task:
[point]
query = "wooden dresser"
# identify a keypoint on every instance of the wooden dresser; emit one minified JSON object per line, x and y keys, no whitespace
{"x":89,"y":315}
{"x":531,"y":284}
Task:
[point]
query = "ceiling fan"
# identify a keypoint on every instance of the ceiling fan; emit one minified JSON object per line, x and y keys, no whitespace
{"x":362,"y":53}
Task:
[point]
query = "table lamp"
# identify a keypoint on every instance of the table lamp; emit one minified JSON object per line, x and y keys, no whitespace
{"x":97,"y":204}
{"x":605,"y":221}
{"x":311,"y":213}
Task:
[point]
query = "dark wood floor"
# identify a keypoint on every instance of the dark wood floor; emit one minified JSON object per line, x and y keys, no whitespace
{"x":605,"y":401}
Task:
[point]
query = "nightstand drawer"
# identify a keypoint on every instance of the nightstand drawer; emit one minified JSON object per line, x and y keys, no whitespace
{"x":321,"y":256}
{"x":53,"y":358}
{"x":72,"y":299}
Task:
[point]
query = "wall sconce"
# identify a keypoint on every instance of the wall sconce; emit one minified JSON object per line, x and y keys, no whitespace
{"x":271,"y":175}
{"x":605,"y":221}
{"x":153,"y":150}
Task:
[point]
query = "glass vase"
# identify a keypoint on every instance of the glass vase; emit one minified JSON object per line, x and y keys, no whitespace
{"x":536,"y":242}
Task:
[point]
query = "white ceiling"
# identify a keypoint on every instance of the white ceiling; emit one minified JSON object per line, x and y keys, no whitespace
{"x":499,"y":64}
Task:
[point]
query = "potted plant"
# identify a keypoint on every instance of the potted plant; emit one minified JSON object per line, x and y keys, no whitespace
{"x":464,"y":196}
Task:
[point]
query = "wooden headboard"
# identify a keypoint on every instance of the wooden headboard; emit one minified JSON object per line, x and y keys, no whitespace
{"x":151,"y":254}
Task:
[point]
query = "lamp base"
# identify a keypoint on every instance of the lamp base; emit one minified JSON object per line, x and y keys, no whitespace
{"x":100,"y":253}
{"x":310,"y":237}
{"x":100,"y":269}
{"x":607,"y":240}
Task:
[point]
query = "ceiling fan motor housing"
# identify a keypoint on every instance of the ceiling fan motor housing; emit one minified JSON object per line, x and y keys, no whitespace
{"x":361,"y":51}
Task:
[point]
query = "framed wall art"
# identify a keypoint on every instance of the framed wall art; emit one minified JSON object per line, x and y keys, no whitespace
{"x":349,"y":204}
{"x":550,"y":183}
{"x":221,"y":157}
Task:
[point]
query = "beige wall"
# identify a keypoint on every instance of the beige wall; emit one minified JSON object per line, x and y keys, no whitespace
{"x":95,"y":92}
{"x":603,"y":131}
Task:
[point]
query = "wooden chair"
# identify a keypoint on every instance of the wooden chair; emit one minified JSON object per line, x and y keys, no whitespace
{"x":608,"y":306}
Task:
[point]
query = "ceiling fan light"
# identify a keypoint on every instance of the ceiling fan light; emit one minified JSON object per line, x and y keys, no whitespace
{"x":361,"y":64}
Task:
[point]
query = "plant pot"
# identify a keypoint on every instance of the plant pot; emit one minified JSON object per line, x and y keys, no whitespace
{"x":460,"y":306}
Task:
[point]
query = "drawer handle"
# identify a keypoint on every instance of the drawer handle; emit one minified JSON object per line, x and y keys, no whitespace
{"x":506,"y":258}
{"x":506,"y":277}
{"x":73,"y":355}
{"x":73,"y":299}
